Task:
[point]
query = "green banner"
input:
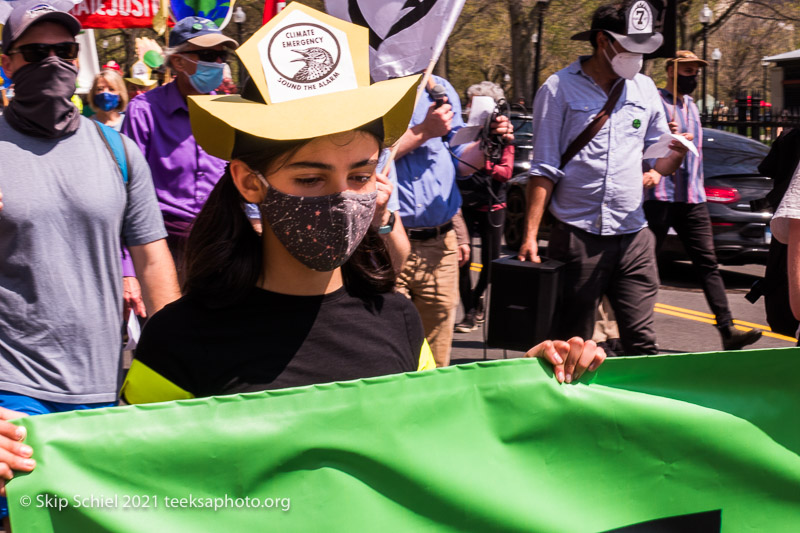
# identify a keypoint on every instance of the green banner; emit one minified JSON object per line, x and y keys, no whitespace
{"x":485,"y":447}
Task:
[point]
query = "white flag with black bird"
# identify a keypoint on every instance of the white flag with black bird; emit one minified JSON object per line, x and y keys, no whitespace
{"x":404,"y":35}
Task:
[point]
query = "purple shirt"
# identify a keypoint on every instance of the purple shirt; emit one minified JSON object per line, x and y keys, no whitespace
{"x":687,"y":183}
{"x":183,"y":173}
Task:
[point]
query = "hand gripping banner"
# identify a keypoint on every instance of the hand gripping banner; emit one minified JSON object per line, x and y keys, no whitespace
{"x":702,"y":442}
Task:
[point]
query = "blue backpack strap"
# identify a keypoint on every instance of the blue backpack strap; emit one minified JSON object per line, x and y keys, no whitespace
{"x":113,"y":141}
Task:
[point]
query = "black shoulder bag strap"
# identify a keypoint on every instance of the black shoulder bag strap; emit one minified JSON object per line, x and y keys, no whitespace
{"x":594,"y":126}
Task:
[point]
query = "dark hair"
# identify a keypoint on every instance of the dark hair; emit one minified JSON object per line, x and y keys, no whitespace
{"x":224,"y":253}
{"x":609,"y":17}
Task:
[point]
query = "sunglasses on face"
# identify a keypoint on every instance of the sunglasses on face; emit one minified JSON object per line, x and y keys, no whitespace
{"x":210,"y":56}
{"x":35,"y":52}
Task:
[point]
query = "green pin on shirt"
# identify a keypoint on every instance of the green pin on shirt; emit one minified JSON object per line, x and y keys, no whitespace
{"x":637,"y":123}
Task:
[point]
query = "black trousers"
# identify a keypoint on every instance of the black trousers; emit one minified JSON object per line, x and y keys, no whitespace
{"x":488,"y":227}
{"x":693,"y":225}
{"x":623,"y":267}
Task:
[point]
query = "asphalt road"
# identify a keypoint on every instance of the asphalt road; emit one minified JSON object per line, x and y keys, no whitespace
{"x":682,"y":315}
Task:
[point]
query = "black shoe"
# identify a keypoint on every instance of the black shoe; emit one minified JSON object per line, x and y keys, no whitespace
{"x":480,"y":313}
{"x":734,"y":339}
{"x":468,"y":323}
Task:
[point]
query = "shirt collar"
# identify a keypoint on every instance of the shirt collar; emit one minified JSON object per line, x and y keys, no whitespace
{"x":173,"y":101}
{"x":577,"y":66}
{"x":668,"y":94}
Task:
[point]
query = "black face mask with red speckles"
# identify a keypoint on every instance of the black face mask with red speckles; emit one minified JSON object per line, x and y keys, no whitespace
{"x":322,"y":232}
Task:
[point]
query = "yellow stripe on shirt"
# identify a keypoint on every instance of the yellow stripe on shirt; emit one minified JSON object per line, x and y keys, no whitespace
{"x":426,"y":361}
{"x":145,"y":385}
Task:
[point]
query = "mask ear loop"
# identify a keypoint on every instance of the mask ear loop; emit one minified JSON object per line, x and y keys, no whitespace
{"x":261,"y":178}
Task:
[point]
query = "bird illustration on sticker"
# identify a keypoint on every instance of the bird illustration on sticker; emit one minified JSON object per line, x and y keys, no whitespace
{"x":318,"y":64}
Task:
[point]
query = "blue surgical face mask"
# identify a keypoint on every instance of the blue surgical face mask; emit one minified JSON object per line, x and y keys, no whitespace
{"x":207,"y":77}
{"x":106,"y":101}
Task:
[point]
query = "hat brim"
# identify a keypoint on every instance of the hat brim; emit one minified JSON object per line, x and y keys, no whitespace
{"x":213,"y":39}
{"x":141,"y":82}
{"x":688,"y":60}
{"x":215,"y":119}
{"x":639,"y":44}
{"x":584,"y":35}
{"x":59,"y":17}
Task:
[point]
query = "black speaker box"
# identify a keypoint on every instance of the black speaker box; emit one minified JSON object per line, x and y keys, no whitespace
{"x":523,"y":303}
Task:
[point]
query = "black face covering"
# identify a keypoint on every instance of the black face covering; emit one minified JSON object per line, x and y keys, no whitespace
{"x":41,"y":105}
{"x":687,"y":84}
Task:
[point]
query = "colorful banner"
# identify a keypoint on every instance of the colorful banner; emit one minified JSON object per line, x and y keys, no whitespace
{"x":705,"y":441}
{"x":219,"y":11}
{"x":110,"y":14}
{"x":271,"y":8}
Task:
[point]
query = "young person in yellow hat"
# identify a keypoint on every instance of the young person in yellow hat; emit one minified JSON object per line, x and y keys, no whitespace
{"x":312,"y":299}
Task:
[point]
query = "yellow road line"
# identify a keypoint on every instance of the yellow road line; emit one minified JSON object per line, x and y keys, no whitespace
{"x":687,"y":311}
{"x":683,"y":315}
{"x":666,"y":310}
{"x":759,"y":326}
{"x":762,"y":327}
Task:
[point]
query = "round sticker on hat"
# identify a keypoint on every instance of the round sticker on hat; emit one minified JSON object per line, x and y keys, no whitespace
{"x":304,"y":53}
{"x":303,"y":57}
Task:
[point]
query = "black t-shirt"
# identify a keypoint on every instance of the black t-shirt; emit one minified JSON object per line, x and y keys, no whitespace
{"x":272,"y":341}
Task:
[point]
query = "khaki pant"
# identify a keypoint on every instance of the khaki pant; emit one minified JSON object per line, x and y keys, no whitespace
{"x":430,"y":279}
{"x":605,"y":322}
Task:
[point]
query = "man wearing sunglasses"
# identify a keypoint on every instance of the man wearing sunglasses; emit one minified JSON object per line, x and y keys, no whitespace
{"x":65,"y":211}
{"x":158,"y":121}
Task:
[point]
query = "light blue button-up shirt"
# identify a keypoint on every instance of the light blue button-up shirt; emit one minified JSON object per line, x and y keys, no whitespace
{"x":426,"y":176}
{"x":600,"y":189}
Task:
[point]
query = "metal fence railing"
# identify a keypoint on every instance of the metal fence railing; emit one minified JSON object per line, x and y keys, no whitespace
{"x":752,"y":117}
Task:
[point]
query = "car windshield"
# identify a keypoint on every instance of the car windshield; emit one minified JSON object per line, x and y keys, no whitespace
{"x":726,"y":153}
{"x":522,"y":125}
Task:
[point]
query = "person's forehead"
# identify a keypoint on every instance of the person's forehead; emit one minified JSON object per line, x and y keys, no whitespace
{"x":345,"y":147}
{"x":45,"y":32}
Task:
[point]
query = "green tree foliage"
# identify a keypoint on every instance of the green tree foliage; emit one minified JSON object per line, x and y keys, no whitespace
{"x":495,"y":39}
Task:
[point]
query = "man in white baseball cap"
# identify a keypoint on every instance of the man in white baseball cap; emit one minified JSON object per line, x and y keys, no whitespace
{"x":592,"y":122}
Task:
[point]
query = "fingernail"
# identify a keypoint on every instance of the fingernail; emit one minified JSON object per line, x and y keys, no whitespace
{"x":21,"y":433}
{"x":560,"y":376}
{"x":26,"y":450}
{"x":557,"y":358}
{"x":569,"y":378}
{"x":592,"y":367}
{"x":29,"y":463}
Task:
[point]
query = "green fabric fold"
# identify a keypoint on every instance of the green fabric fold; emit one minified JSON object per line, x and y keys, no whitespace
{"x":495,"y":446}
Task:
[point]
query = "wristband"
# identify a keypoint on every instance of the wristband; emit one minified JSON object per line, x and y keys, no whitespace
{"x":389,"y":226}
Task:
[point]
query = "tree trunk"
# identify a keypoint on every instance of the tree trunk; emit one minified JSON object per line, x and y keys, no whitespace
{"x":523,"y":26}
{"x":129,"y":37}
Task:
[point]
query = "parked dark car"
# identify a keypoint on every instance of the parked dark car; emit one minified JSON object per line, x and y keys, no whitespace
{"x":732,"y":180}
{"x":523,"y":141}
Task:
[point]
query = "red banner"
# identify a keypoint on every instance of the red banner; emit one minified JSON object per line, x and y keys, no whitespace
{"x":111,"y":14}
{"x":272,"y":8}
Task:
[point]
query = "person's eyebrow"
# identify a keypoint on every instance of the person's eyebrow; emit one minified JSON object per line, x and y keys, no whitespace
{"x":325,"y":166}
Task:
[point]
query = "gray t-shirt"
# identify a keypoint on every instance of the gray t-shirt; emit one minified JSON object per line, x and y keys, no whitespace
{"x":65,"y":210}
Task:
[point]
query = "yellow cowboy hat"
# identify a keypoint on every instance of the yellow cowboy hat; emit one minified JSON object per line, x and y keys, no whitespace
{"x":312,"y":72}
